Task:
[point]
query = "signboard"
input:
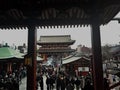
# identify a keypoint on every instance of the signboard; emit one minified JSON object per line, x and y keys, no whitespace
{"x":28,"y":61}
{"x":83,"y":69}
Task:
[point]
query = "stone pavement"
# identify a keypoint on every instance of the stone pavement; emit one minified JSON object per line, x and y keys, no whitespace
{"x":23,"y":84}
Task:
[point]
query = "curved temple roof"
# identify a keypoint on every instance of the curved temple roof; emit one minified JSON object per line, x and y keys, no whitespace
{"x":53,"y":39}
{"x":73,"y":59}
{"x":20,"y":13}
{"x":7,"y":53}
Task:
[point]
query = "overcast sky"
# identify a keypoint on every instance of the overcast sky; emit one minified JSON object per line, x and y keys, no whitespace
{"x":110,"y":34}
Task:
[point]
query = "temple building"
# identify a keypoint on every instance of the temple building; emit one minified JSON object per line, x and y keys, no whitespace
{"x":57,"y":46}
{"x":10,"y":59}
{"x":30,"y":14}
{"x":76,"y":65}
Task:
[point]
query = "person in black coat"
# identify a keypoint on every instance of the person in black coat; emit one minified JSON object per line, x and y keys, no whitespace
{"x":15,"y":85}
{"x":41,"y":82}
{"x":51,"y":82}
{"x":62,"y":81}
{"x":106,"y":84}
{"x":72,"y":81}
{"x":88,"y":86}
{"x":58,"y":83}
{"x":70,"y":86}
{"x":48,"y":82}
{"x":9,"y":86}
{"x":77,"y":84}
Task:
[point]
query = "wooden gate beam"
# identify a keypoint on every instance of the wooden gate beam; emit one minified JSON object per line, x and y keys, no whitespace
{"x":97,"y":56}
{"x":31,"y":68}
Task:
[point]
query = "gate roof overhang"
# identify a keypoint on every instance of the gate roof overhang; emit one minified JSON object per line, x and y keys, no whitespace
{"x":20,"y":13}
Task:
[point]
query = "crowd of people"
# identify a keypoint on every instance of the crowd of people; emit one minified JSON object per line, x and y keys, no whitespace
{"x":12,"y":80}
{"x":62,"y":81}
{"x":51,"y":78}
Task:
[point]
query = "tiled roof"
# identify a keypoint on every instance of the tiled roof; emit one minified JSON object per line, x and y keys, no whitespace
{"x":7,"y":53}
{"x":115,"y":49}
{"x":72,"y":59}
{"x":56,"y":39}
{"x":56,"y":51}
{"x":21,"y":13}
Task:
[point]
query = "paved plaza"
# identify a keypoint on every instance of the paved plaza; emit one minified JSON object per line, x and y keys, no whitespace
{"x":23,"y":85}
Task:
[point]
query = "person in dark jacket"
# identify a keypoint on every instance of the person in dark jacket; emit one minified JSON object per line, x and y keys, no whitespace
{"x":106,"y":84}
{"x":62,"y":83}
{"x":58,"y":83}
{"x":9,"y":85}
{"x":41,"y":82}
{"x":72,"y":81}
{"x":88,"y":86}
{"x":77,"y":84}
{"x":15,"y":85}
{"x":70,"y":86}
{"x":51,"y":83}
{"x":48,"y":82}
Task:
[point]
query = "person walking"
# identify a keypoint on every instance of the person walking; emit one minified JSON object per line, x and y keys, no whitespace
{"x":48,"y":82}
{"x":106,"y":84}
{"x":51,"y":82}
{"x":62,"y":83}
{"x":77,"y":84}
{"x":58,"y":83}
{"x":70,"y":86}
{"x":72,"y":81}
{"x":41,"y":82}
{"x":88,"y":86}
{"x":15,"y":85}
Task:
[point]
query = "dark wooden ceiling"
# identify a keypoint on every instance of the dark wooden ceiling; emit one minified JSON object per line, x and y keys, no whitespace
{"x":20,"y":13}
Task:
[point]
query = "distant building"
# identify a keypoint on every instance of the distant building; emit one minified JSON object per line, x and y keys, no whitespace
{"x":83,"y":50}
{"x":23,"y":48}
{"x":57,"y":46}
{"x":112,"y":65}
{"x":79,"y":48}
{"x":115,"y":52}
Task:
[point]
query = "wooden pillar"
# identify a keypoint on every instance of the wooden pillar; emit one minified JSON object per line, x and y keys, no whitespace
{"x":97,"y":56}
{"x":31,"y":68}
{"x":9,"y":67}
{"x":45,"y":57}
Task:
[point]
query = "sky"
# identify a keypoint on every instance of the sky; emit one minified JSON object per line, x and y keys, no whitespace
{"x":110,"y":34}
